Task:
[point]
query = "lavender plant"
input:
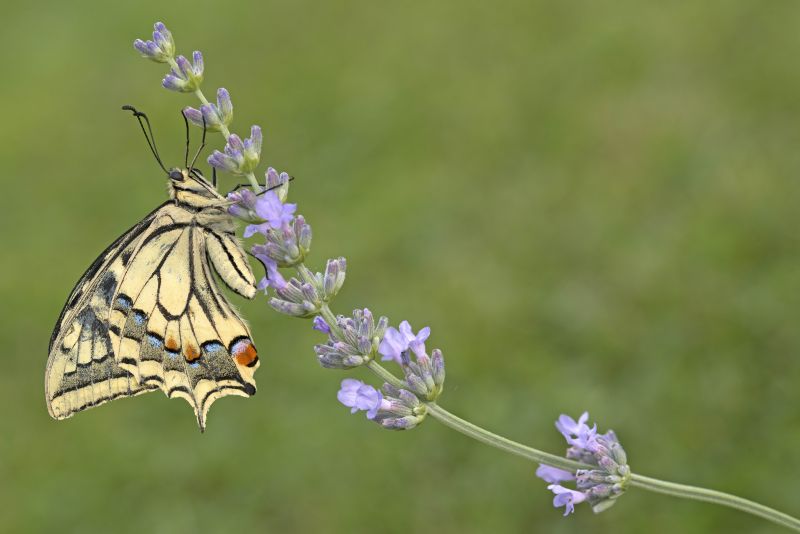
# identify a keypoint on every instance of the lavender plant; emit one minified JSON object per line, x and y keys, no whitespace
{"x":596,"y":463}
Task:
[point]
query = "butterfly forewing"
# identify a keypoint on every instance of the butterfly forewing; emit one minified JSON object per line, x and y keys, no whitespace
{"x":148,"y":315}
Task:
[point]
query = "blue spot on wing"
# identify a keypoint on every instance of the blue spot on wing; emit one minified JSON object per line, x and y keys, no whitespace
{"x":139,"y":317}
{"x":123,"y":303}
{"x":213,"y":346}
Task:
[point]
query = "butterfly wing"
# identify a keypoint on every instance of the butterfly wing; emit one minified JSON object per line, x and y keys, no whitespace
{"x":81,"y":369}
{"x":172,"y":328}
{"x":162,"y":317}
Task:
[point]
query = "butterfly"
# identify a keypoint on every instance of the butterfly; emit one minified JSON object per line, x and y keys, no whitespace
{"x":148,"y":313}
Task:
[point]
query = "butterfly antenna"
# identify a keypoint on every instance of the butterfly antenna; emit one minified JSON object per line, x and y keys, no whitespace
{"x":200,"y":148}
{"x":267,"y":190}
{"x":186,"y":154}
{"x":151,"y":140}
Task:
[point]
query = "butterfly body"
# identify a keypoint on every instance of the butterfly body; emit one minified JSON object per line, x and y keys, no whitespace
{"x":148,"y":314}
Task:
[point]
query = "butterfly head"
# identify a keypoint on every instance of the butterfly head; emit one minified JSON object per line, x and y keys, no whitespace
{"x":190,"y":188}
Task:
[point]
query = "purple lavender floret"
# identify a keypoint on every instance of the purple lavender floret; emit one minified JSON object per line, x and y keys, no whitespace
{"x":553,"y":474}
{"x":270,"y":209}
{"x":396,"y":342}
{"x":424,"y":374}
{"x":566,"y":497}
{"x":273,"y":277}
{"x":357,"y":395}
{"x":320,"y":325}
{"x":394,"y":409}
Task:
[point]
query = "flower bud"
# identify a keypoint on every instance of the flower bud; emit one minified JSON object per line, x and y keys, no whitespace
{"x":187,"y":77}
{"x":350,"y":341}
{"x":161,"y":49}
{"x":278,"y":183}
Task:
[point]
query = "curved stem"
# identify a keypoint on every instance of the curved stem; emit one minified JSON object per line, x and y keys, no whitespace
{"x":387,"y":376}
{"x":498,"y":441}
{"x":640,"y":481}
{"x":716,"y":497}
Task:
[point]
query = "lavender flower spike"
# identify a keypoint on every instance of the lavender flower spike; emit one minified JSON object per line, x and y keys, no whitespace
{"x":399,"y":409}
{"x":187,"y":77}
{"x":395,"y":409}
{"x":212,"y":116}
{"x":600,"y":486}
{"x":240,"y":157}
{"x":244,"y":205}
{"x":161,"y":49}
{"x":351,"y":341}
{"x":424,"y":375}
{"x":290,"y":243}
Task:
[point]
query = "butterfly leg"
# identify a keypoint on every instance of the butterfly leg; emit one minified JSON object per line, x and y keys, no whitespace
{"x":238,"y":186}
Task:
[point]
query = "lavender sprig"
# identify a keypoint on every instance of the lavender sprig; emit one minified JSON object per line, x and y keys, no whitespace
{"x":601,"y":473}
{"x":241,"y":157}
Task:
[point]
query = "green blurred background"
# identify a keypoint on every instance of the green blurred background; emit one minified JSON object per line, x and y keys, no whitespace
{"x":595,"y":205}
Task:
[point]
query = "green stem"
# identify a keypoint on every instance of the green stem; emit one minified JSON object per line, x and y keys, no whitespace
{"x":387,"y":376}
{"x":497,"y":441}
{"x":716,"y":497}
{"x":640,"y":481}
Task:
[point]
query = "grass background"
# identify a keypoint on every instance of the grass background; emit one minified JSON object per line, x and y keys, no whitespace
{"x":593,"y":204}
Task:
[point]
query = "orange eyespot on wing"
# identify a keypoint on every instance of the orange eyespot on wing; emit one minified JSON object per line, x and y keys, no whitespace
{"x":191,"y":353}
{"x":171,"y":345}
{"x":244,"y":352}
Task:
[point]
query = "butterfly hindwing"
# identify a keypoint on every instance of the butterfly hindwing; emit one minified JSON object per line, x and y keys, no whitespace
{"x":172,"y":327}
{"x":148,"y":314}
